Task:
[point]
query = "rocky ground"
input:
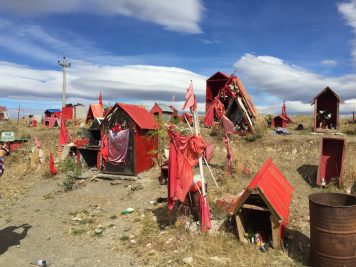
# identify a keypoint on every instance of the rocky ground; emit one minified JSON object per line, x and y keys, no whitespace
{"x":85,"y":227}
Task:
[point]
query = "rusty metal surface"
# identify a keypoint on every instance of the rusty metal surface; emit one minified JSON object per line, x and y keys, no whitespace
{"x":332,"y":230}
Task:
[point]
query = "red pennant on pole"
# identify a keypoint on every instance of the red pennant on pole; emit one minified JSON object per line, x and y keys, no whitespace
{"x":52,"y":168}
{"x":190,"y":100}
{"x":63,"y":133}
{"x":205,"y":214}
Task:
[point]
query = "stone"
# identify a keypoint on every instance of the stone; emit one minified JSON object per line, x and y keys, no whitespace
{"x":98,"y":231}
{"x":188,"y":260}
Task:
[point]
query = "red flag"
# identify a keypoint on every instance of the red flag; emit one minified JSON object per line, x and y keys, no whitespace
{"x":190,"y":100}
{"x":227,"y":125}
{"x":64,"y":136}
{"x":205,"y":214}
{"x":52,"y":168}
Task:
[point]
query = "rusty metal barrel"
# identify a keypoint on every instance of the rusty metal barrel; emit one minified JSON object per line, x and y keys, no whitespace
{"x":332,"y":230}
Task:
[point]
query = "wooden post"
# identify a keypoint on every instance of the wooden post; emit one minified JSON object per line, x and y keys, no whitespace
{"x":276,"y":242}
{"x":240,"y":228}
{"x":315,"y":114}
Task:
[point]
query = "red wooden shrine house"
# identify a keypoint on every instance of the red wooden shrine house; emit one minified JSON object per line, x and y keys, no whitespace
{"x":326,"y":111}
{"x":163,"y":111}
{"x":237,"y":104}
{"x":264,"y":206}
{"x":142,"y":138}
{"x":95,"y":111}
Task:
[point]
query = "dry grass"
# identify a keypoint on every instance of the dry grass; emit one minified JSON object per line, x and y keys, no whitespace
{"x":156,"y":243}
{"x":170,"y":246}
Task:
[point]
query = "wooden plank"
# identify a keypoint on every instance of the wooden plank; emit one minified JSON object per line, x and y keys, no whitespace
{"x":240,"y":228}
{"x":115,"y":177}
{"x":276,"y":242}
{"x":245,"y":111}
{"x":254,"y":207}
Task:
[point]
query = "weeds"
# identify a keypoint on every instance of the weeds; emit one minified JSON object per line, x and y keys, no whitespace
{"x":72,"y":171}
{"x":77,"y":231}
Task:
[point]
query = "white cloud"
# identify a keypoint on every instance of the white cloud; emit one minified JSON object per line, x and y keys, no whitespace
{"x":328,"y":62}
{"x":348,"y":12}
{"x":293,"y":107}
{"x":274,"y":76}
{"x":85,"y":80}
{"x":181,"y":16}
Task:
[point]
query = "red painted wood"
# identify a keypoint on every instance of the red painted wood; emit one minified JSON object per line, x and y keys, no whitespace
{"x":332,"y":156}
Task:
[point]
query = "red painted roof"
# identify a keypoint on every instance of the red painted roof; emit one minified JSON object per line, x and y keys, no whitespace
{"x":275,"y":187}
{"x":97,"y":110}
{"x":245,"y":95}
{"x":139,"y":115}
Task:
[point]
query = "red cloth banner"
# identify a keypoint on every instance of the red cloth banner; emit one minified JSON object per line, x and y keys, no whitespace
{"x":64,"y":136}
{"x":205,"y":214}
{"x":190,"y":100}
{"x":184,"y":152}
{"x":52,"y":168}
{"x":118,"y":145}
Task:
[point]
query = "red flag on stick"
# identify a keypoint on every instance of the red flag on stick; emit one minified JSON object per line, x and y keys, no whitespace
{"x":52,"y":168}
{"x":205,"y":214}
{"x":227,"y":125}
{"x":190,"y":100}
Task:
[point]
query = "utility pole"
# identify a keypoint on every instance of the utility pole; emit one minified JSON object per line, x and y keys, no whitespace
{"x":64,"y":65}
{"x":18,"y":115}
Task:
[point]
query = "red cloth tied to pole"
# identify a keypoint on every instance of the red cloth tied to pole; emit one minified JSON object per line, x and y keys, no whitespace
{"x":184,"y":152}
{"x":205,"y":214}
{"x":216,"y":109}
{"x":52,"y":168}
{"x":190,"y":100}
{"x":227,"y":125}
{"x":64,"y":136}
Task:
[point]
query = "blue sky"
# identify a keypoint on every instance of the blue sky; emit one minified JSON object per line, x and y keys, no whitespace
{"x":142,"y":51}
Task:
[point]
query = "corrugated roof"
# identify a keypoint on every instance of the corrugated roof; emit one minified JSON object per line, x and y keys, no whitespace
{"x":52,"y":110}
{"x":139,"y":115}
{"x":274,"y":187}
{"x":164,"y":108}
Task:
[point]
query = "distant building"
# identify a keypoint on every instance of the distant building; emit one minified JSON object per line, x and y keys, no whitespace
{"x":52,"y":117}
{"x":164,"y":111}
{"x":95,"y":111}
{"x":74,"y":112}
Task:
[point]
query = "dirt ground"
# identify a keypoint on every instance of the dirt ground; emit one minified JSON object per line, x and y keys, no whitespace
{"x":85,"y":227}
